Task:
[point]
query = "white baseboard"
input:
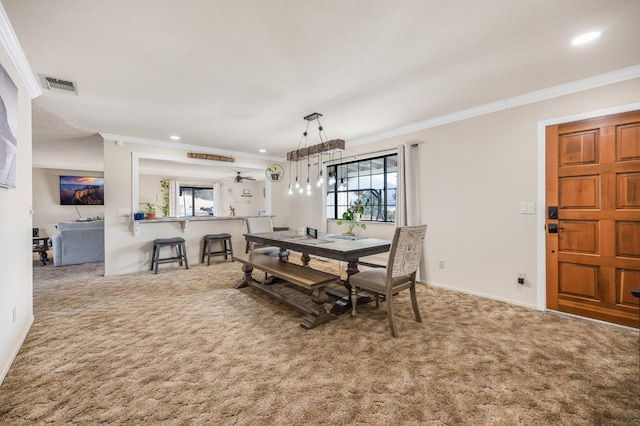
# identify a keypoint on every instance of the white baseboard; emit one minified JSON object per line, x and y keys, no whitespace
{"x":14,"y":354}
{"x":486,"y":296}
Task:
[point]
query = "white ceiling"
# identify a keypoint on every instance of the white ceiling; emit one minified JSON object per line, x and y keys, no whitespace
{"x":240,"y":74}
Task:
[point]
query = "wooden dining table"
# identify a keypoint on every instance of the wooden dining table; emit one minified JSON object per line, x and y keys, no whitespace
{"x":344,"y":248}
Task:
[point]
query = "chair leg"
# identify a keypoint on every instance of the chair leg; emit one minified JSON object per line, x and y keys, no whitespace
{"x":153,"y":257}
{"x":230,"y":249}
{"x":392,"y":324}
{"x":156,"y":257}
{"x":204,"y":247}
{"x":179,"y":255}
{"x":184,"y":255}
{"x":208,"y":252}
{"x":354,"y":300}
{"x":414,"y":303}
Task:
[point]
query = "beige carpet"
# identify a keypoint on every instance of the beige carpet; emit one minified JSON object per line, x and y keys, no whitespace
{"x":185,"y":347}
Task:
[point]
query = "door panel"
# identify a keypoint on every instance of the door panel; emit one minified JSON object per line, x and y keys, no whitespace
{"x":579,"y":192}
{"x":628,"y":190}
{"x":628,"y":148}
{"x":593,"y":177}
{"x":579,"y":148}
{"x":626,"y":280}
{"x":578,"y":281}
{"x":578,"y":236}
{"x":628,"y":239}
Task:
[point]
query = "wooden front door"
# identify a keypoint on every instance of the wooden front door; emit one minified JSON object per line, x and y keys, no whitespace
{"x":593,"y":182}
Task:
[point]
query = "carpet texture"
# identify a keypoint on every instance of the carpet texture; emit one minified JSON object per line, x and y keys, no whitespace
{"x":185,"y":347}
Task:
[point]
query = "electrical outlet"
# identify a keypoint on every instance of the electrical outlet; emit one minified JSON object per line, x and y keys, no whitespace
{"x":441,"y":264}
{"x":522,"y":277}
{"x":14,"y":314}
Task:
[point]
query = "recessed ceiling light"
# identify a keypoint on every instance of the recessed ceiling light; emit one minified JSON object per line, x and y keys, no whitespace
{"x":586,"y":38}
{"x":263,"y":151}
{"x":174,"y":137}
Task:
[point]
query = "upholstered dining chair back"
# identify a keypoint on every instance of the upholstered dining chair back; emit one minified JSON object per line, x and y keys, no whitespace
{"x":259,"y":224}
{"x":400,"y":274}
{"x":406,"y":251}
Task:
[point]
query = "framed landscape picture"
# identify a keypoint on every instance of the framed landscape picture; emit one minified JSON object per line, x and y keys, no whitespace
{"x":81,"y":190}
{"x":8,"y":130}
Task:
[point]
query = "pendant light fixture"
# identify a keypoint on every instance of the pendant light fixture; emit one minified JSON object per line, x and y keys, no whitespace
{"x":304,"y":151}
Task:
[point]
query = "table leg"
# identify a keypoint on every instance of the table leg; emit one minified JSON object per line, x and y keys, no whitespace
{"x":247,"y":269}
{"x":343,"y":304}
{"x":43,"y":257}
{"x":318,"y":314}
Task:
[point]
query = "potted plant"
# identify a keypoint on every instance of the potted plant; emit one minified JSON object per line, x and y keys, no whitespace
{"x":273,"y":172}
{"x":352,"y":216}
{"x":164,"y":184}
{"x":150,"y":211}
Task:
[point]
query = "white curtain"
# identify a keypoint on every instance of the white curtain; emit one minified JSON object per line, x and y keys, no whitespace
{"x":408,"y":193}
{"x":174,"y":198}
{"x":217,"y":200}
{"x":408,"y":186}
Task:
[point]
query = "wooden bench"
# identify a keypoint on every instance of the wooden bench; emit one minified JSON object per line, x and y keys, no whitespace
{"x":304,"y":277}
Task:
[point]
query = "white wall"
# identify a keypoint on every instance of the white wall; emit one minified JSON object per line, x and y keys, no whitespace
{"x":233,"y":194}
{"x":16,"y":282}
{"x":47,"y":211}
{"x":474,"y":175}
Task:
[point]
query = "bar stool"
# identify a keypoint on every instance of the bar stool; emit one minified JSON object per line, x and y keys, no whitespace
{"x":181,"y":252}
{"x":226,"y":249}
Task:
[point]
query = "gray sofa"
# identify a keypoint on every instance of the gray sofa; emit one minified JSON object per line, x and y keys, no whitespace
{"x":78,"y":242}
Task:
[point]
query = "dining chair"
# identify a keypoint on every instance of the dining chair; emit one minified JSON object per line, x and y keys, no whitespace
{"x":400,"y":273}
{"x":257,"y":225}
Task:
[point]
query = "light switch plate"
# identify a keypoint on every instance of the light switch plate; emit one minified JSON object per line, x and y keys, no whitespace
{"x":527,"y":207}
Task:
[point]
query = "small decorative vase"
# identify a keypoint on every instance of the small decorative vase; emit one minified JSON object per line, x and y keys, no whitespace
{"x":138,"y":216}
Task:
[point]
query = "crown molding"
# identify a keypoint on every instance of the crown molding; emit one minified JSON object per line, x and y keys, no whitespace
{"x":187,"y":147}
{"x":612,"y":77}
{"x":11,"y":45}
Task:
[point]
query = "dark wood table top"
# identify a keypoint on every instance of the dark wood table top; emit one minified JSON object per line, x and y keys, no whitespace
{"x":332,"y":246}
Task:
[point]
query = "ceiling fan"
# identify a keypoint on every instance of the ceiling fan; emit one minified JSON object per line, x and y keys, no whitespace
{"x":239,"y":178}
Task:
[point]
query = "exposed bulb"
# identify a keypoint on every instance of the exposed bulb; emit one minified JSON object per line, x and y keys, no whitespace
{"x":301,"y":190}
{"x":332,"y":180}
{"x":297,"y":183}
{"x":290,"y":192}
{"x":308,"y":186}
{"x":308,"y":191}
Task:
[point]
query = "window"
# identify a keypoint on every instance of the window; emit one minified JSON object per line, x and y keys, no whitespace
{"x":196,"y":201}
{"x":372,"y":180}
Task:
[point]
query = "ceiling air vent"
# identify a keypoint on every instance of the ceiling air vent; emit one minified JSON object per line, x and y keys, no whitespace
{"x":58,"y":85}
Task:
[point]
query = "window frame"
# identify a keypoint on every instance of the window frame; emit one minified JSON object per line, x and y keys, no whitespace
{"x":348,"y":168}
{"x":193,"y":188}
